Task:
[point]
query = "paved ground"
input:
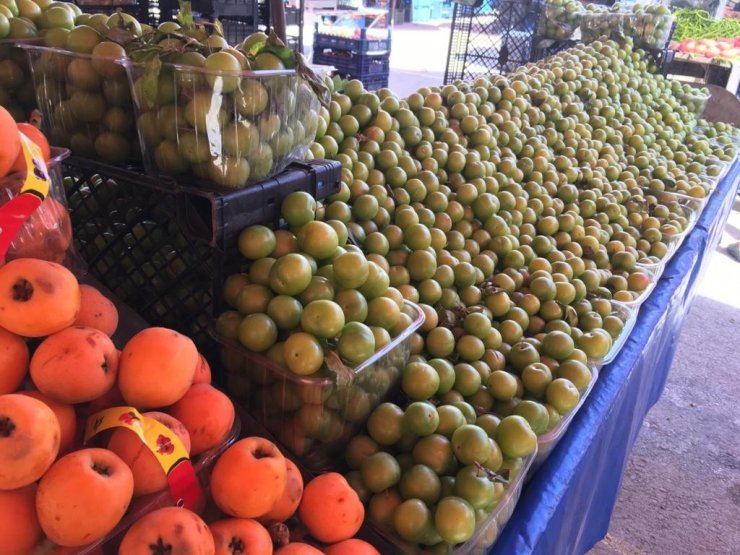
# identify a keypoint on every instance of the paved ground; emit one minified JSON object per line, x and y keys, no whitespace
{"x":681,"y":490}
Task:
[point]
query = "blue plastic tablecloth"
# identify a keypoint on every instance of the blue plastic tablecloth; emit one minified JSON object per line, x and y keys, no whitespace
{"x":566,"y":507}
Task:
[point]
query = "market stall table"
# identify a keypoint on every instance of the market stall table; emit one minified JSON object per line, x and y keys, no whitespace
{"x":567,"y":506}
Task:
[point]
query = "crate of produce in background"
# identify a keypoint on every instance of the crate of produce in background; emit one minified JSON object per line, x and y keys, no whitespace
{"x":371,"y":69}
{"x":222,"y":128}
{"x":17,"y":93}
{"x":145,"y":11}
{"x":361,"y":41}
{"x":164,"y":249}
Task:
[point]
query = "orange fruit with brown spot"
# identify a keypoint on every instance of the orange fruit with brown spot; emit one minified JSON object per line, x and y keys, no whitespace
{"x":248,"y":478}
{"x":298,"y":548}
{"x":37,"y":298}
{"x":351,"y":547}
{"x":29,"y":440}
{"x":65,"y":415}
{"x":286,"y":506}
{"x":75,"y":365}
{"x":19,"y":528}
{"x":202,"y":371}
{"x":157,"y":368}
{"x":331,"y":509}
{"x":149,"y":476}
{"x":83,"y":496}
{"x":172,"y":530}
{"x":96,"y":311}
{"x":13,"y":361}
{"x":207,"y":414}
{"x":240,"y":536}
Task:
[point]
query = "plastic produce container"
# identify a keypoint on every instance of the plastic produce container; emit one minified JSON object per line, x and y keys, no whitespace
{"x":86,"y":104}
{"x":223,"y":129}
{"x":145,"y":504}
{"x":546,"y":443}
{"x":315,"y":416}
{"x":597,"y":25}
{"x":628,"y":315}
{"x":653,"y":278}
{"x":695,"y":99}
{"x":17,"y":93}
{"x":47,"y":233}
{"x":559,"y":19}
{"x":488,"y":531}
{"x":653,"y":30}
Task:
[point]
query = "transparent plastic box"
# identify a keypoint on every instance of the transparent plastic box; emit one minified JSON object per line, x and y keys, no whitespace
{"x":695,"y":99}
{"x":559,"y":22}
{"x":315,"y":416}
{"x":547,"y":442}
{"x":652,"y":30}
{"x":17,"y":93}
{"x":145,"y":504}
{"x":86,"y":104}
{"x":488,"y":531}
{"x":218,"y":128}
{"x":628,"y":315}
{"x":594,"y":26}
{"x":643,"y":295}
{"x":47,"y":233}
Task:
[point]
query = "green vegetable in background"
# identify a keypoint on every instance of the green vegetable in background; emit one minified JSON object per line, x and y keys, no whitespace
{"x":698,"y":24}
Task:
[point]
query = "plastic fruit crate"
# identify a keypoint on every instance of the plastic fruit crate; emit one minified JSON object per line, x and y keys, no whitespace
{"x":164,"y":249}
{"x":86,"y":104}
{"x":283,"y":401}
{"x":355,"y":66}
{"x":229,"y":129}
{"x":486,"y":534}
{"x":145,"y":504}
{"x":17,"y":93}
{"x":47,"y":233}
{"x":547,"y":442}
{"x":375,"y":82}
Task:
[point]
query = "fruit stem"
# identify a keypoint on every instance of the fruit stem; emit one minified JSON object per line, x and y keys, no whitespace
{"x":22,"y":290}
{"x":7,"y":426}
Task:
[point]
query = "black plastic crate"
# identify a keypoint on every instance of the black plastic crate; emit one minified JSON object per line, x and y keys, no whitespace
{"x":145,"y":11}
{"x":356,"y":66}
{"x":361,"y":45}
{"x":220,"y":8}
{"x":165,"y":249}
{"x":236,"y":28}
{"x":375,"y":82}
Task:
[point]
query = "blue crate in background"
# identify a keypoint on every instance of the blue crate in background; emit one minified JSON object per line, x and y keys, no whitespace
{"x":361,"y":45}
{"x":350,"y":64}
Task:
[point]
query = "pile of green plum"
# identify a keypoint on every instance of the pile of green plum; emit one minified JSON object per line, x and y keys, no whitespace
{"x":525,"y":214}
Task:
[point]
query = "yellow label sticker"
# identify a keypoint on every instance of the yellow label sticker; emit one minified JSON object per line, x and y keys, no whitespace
{"x":37,"y":174}
{"x":161,"y":441}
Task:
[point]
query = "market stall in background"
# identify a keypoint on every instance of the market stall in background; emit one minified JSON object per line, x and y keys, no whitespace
{"x":248,"y":301}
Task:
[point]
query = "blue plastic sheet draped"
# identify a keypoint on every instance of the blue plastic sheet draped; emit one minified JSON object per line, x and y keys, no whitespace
{"x":566,"y":507}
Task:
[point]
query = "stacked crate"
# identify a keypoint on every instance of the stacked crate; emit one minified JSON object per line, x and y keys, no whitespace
{"x":355,"y":58}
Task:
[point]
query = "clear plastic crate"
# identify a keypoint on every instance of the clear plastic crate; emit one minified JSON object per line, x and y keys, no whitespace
{"x":17,"y":93}
{"x":643,"y":295}
{"x":47,"y":233}
{"x":86,"y":104}
{"x":559,"y":20}
{"x":653,"y":30}
{"x":223,"y":129}
{"x":145,"y":504}
{"x":332,"y":408}
{"x":488,"y":531}
{"x":547,"y":442}
{"x":695,"y":99}
{"x":594,"y":26}
{"x":628,"y":315}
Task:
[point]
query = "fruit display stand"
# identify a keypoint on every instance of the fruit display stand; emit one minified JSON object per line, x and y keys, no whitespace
{"x":567,"y":506}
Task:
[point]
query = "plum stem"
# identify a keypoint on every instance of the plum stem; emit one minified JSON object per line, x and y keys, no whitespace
{"x":7,"y":426}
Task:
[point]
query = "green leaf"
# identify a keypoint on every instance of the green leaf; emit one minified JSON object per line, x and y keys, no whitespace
{"x":150,"y":82}
{"x":185,"y":14}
